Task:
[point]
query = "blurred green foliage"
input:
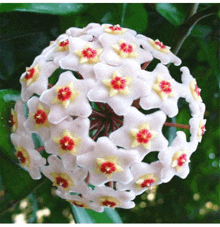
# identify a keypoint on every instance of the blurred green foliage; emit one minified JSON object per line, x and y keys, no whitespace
{"x":27,"y":28}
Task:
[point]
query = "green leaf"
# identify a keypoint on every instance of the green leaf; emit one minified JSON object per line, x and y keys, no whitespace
{"x":175,"y":13}
{"x":49,"y":8}
{"x":210,"y":53}
{"x":15,"y":179}
{"x":108,"y":216}
{"x":200,"y":31}
{"x":82,"y":215}
{"x":136,"y":17}
{"x":7,"y":101}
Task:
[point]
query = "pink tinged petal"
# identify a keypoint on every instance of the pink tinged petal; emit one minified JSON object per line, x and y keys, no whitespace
{"x":76,"y":32}
{"x":19,"y":109}
{"x":72,"y":61}
{"x":170,"y":155}
{"x":132,"y":120}
{"x":98,"y":93}
{"x":111,"y":57}
{"x":167,"y":174}
{"x":168,"y":104}
{"x":46,"y":69}
{"x":100,"y":30}
{"x":195,"y":125}
{"x":30,"y":125}
{"x":119,"y":102}
{"x":81,"y":201}
{"x":79,"y":106}
{"x":121,"y":199}
{"x":187,"y":79}
{"x":36,"y":161}
{"x":140,"y":170}
{"x":165,"y":58}
{"x":103,"y":150}
{"x":79,"y":129}
{"x":75,"y":176}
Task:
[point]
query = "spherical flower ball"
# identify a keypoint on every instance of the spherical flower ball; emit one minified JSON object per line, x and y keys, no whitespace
{"x":102,"y":115}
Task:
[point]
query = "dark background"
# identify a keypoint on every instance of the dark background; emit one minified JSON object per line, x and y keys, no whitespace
{"x":26,"y":29}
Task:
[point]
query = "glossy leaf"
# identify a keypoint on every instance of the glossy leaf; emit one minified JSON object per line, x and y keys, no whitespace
{"x":82,"y":215}
{"x":49,"y":8}
{"x":136,"y":17}
{"x":174,"y":13}
{"x":7,"y":101}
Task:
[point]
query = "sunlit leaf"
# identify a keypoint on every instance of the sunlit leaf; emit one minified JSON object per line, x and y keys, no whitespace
{"x":49,"y":8}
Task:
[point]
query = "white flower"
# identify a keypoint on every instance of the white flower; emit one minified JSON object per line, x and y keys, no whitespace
{"x":67,"y":97}
{"x":165,"y":91}
{"x":38,"y":118}
{"x":122,"y":49}
{"x":108,"y":197}
{"x":61,"y":48}
{"x":35,"y":79}
{"x":110,"y":29}
{"x":145,"y":176}
{"x":69,"y":139}
{"x":82,"y":57}
{"x":81,"y":200}
{"x":175,"y":158}
{"x":118,"y":86}
{"x":108,"y":163}
{"x":66,"y":180}
{"x":192,"y":91}
{"x":197,"y":125}
{"x":29,"y":158}
{"x":81,"y":32}
{"x":96,"y":138}
{"x":141,"y":132}
{"x":17,"y":117}
{"x":158,"y":50}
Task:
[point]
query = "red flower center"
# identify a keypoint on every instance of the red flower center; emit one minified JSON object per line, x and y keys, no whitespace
{"x":160,"y":44}
{"x":64,"y":43}
{"x":12,"y":120}
{"x":30,"y":74}
{"x":118,"y":83}
{"x":40,"y":117}
{"x":143,"y":136}
{"x":197,"y":90}
{"x":89,"y":53}
{"x":147,"y":183}
{"x":62,"y":182}
{"x":203,"y":129}
{"x":21,"y":157}
{"x":109,"y":203}
{"x":181,"y":160}
{"x":64,"y":93}
{"x":108,"y":167}
{"x":127,"y":48}
{"x":67,"y":143}
{"x":115,"y":28}
{"x":165,"y":86}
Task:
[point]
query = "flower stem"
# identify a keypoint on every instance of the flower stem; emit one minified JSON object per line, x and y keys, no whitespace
{"x":110,"y":184}
{"x":177,"y":125}
{"x":183,"y":31}
{"x":87,"y":178}
{"x":40,"y":148}
{"x":144,"y":66}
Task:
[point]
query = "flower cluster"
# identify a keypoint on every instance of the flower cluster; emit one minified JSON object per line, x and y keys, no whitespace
{"x":93,"y":120}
